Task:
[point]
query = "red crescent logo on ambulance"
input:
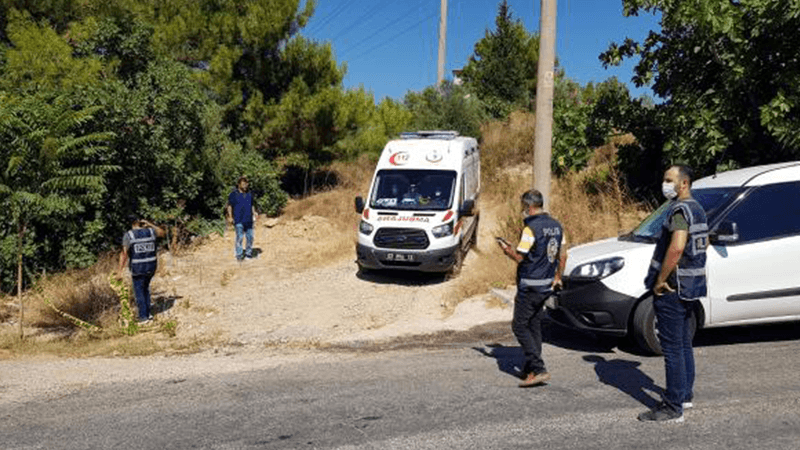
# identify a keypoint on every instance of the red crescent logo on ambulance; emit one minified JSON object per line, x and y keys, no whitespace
{"x":399,"y":159}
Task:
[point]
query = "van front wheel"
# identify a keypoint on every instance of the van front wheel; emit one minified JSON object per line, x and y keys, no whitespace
{"x":458,"y":261}
{"x":644,"y":327}
{"x":645,"y":332}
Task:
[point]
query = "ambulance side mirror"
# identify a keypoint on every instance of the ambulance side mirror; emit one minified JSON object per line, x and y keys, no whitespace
{"x":467,"y":208}
{"x":359,"y":204}
{"x":726,"y":232}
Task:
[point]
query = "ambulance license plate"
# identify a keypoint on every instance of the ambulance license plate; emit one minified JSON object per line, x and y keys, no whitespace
{"x":399,"y":257}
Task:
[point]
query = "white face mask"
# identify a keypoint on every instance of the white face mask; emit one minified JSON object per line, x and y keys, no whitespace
{"x":668,"y":189}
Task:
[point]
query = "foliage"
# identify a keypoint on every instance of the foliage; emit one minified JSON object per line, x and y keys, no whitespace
{"x":40,"y":59}
{"x":387,"y":120}
{"x":502,"y":70}
{"x":451,"y":107}
{"x":570,"y":122}
{"x":53,"y":170}
{"x":727,"y":72}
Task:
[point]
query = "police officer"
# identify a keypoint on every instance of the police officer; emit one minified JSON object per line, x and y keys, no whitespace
{"x":677,"y":277}
{"x":139,"y":245}
{"x":541,"y":257}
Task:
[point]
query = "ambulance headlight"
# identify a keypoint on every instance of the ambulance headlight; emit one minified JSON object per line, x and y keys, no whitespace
{"x":597,"y":270}
{"x":443,"y":230}
{"x":365,"y":227}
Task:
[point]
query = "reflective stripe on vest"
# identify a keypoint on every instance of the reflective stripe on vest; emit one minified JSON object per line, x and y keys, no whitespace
{"x":535,"y":283}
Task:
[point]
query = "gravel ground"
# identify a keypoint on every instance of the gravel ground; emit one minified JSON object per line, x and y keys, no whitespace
{"x":267,"y":311}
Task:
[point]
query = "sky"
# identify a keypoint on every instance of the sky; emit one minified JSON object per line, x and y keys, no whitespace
{"x":391,"y":46}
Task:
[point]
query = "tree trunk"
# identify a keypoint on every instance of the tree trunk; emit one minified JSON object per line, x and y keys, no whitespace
{"x":19,"y":279}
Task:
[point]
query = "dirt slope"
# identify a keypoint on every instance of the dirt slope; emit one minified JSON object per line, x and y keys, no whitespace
{"x":274,"y":299}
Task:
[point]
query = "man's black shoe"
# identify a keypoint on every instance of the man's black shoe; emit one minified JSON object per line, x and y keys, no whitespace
{"x":661,"y":413}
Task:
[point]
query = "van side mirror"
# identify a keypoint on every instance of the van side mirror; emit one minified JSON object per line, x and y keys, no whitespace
{"x":725,"y":232}
{"x":467,"y":208}
{"x":359,"y":204}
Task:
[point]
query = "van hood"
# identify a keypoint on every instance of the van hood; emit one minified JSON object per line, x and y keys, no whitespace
{"x":606,"y":248}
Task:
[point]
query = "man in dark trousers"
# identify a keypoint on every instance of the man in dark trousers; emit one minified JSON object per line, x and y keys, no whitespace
{"x":241,"y":213}
{"x":541,"y":257}
{"x":139,"y":246}
{"x":677,"y":276}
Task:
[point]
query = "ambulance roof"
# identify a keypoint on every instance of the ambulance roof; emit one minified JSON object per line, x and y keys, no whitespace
{"x":442,"y":150}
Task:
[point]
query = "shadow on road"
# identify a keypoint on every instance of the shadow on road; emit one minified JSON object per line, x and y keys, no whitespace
{"x":786,"y":331}
{"x":625,"y":376}
{"x":555,"y":334}
{"x":401,"y":277}
{"x":509,"y":359}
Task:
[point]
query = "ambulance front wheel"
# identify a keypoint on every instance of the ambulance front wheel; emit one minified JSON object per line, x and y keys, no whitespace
{"x":458,"y":261}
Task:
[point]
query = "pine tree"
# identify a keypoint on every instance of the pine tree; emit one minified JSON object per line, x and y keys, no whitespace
{"x":502,"y":71}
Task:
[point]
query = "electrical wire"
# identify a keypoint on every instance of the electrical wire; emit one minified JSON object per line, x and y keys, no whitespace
{"x":382,"y":29}
{"x":337,"y":11}
{"x":393,"y":37}
{"x":353,"y":25}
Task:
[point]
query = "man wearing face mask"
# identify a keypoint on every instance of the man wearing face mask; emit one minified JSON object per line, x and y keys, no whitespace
{"x":541,"y":256}
{"x":677,"y":277}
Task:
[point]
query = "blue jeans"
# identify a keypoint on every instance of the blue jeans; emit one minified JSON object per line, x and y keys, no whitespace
{"x":141,"y":289}
{"x":674,"y":329}
{"x":527,"y":327}
{"x":246,"y":231}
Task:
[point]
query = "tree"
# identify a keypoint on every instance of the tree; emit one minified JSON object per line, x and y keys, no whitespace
{"x":450,"y":107}
{"x":48,"y":170}
{"x":502,"y":70}
{"x":728,"y":73}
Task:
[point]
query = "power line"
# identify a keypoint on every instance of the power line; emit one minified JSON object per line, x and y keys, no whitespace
{"x":334,"y":14}
{"x":383,"y":29}
{"x":353,"y":25}
{"x":386,"y":41}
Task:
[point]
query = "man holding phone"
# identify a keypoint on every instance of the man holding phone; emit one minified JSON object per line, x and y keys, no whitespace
{"x":541,"y":256}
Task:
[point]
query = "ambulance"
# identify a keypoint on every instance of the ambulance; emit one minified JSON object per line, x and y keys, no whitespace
{"x":421,"y":212}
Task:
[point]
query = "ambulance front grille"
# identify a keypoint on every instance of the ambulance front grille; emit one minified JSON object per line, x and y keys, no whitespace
{"x":401,"y":238}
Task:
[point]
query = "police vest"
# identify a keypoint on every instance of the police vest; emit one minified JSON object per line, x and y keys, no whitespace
{"x":691,"y":270}
{"x":538,"y":268}
{"x":142,"y":251}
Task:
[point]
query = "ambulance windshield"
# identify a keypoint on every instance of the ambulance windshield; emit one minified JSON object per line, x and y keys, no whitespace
{"x":413,"y":189}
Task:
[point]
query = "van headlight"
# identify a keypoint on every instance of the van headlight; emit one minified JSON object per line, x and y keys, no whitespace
{"x":443,"y":230}
{"x":365,"y":227}
{"x":597,"y":270}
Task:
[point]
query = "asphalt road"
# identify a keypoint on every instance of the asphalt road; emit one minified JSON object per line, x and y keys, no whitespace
{"x":448,"y":391}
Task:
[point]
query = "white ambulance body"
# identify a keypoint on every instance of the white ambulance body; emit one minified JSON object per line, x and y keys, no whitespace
{"x":421,"y":212}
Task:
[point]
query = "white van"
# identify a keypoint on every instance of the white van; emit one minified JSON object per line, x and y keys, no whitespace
{"x":422,"y":209}
{"x":753,"y":262}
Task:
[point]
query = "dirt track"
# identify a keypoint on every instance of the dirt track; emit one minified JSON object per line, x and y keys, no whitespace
{"x":272,"y":299}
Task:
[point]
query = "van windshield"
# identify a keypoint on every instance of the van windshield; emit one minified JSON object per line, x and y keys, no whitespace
{"x":712,"y":200}
{"x":413,"y":189}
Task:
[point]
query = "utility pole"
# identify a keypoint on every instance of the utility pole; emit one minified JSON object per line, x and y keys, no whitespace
{"x":545,"y":81}
{"x":442,"y":43}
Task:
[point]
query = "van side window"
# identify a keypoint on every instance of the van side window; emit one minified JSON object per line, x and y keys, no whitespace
{"x":769,"y":212}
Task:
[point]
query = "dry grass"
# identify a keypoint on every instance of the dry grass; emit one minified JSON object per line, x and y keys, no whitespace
{"x":329,"y":217}
{"x":591,"y":205}
{"x":506,"y":143}
{"x":85,"y":294}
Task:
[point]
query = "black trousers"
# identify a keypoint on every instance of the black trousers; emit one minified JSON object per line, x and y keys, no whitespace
{"x":527,"y":327}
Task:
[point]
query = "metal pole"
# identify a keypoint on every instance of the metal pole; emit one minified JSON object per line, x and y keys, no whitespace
{"x":442,"y":43}
{"x":545,"y":80}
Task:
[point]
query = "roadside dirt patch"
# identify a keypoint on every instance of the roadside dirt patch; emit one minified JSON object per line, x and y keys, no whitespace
{"x":278,"y":298}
